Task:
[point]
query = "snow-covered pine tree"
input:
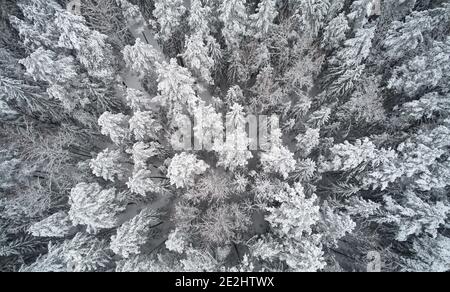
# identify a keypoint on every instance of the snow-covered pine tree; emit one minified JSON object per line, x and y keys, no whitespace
{"x":95,"y":207}
{"x":134,"y":233}
{"x":115,"y":126}
{"x":407,"y":37}
{"x":109,"y":165}
{"x":268,"y":93}
{"x":141,"y":58}
{"x":168,"y":14}
{"x":93,"y":51}
{"x":184,"y":168}
{"x":262,"y":20}
{"x":144,"y":126}
{"x":334,"y":225}
{"x":414,"y":216}
{"x":133,"y":16}
{"x":143,"y":182}
{"x":83,"y":253}
{"x":429,"y":71}
{"x":335,"y":32}
{"x":314,"y":13}
{"x":176,"y":88}
{"x":45,"y":65}
{"x":57,"y":225}
{"x":137,"y":100}
{"x":38,"y":29}
{"x":233,"y":15}
{"x":431,"y":255}
{"x":348,"y":64}
{"x":197,"y":57}
{"x":359,"y":13}
{"x":308,"y":141}
{"x":293,"y":244}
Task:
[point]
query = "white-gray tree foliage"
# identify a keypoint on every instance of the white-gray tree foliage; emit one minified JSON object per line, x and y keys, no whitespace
{"x":415,"y":216}
{"x":144,"y":126}
{"x":234,"y":17}
{"x":314,"y":13}
{"x":168,"y":15}
{"x":133,"y":234}
{"x":197,"y":57}
{"x":45,"y":65}
{"x":184,"y":168}
{"x":115,"y":126}
{"x":57,"y":225}
{"x":356,"y":158}
{"x":141,"y":58}
{"x":176,"y":88}
{"x":262,"y":20}
{"x":109,"y":165}
{"x":95,"y":207}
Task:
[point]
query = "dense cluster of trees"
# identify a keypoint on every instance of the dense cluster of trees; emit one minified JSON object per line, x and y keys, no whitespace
{"x":95,"y":175}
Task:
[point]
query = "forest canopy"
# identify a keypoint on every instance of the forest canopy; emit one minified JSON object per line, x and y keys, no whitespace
{"x":224,"y":136}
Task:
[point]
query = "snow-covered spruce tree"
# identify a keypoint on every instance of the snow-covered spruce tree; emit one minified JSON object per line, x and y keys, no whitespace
{"x":268,"y":94}
{"x":83,"y":253}
{"x":406,"y":38}
{"x":263,"y":19}
{"x":200,"y":22}
{"x":197,"y":57}
{"x":144,"y":126}
{"x":424,"y":72}
{"x":93,"y":52}
{"x":292,"y":243}
{"x":141,"y":57}
{"x":134,"y":233}
{"x":334,"y":225}
{"x":184,"y":168}
{"x":137,"y":100}
{"x":49,"y":29}
{"x":314,"y":13}
{"x":115,"y":126}
{"x":308,"y":141}
{"x":359,"y":13}
{"x":335,"y":32}
{"x":430,"y":255}
{"x":176,"y":88}
{"x":57,"y":225}
{"x":38,"y":28}
{"x":347,"y":65}
{"x":132,"y":15}
{"x":199,"y":16}
{"x":94,"y":207}
{"x":44,"y":65}
{"x":142,"y":182}
{"x":109,"y":165}
{"x":168,"y":15}
{"x":414,"y":216}
{"x":233,"y":15}
{"x":427,"y":107}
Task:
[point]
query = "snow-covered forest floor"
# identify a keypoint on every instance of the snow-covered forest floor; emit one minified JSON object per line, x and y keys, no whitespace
{"x":231,"y":136}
